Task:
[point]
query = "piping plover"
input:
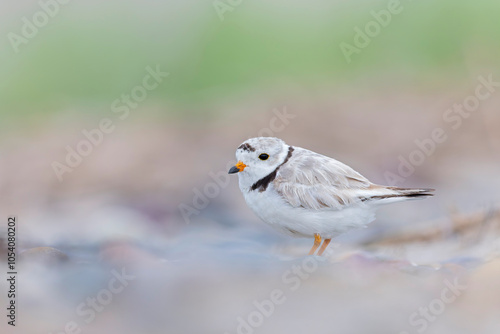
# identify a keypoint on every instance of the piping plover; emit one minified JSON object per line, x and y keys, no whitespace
{"x":306,"y":194}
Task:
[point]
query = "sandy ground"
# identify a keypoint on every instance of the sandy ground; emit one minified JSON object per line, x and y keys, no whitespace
{"x":423,"y":267}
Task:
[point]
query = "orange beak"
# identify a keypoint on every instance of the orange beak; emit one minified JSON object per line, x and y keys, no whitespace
{"x":240,"y":166}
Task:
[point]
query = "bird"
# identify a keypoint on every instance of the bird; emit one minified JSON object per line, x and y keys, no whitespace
{"x":306,"y":194}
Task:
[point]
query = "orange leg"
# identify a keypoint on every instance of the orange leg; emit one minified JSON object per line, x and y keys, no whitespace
{"x":323,"y":247}
{"x":317,"y":242}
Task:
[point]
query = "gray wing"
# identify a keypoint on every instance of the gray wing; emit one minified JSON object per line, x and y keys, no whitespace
{"x":314,"y":181}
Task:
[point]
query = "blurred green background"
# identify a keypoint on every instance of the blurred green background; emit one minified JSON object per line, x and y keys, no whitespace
{"x":91,"y":52}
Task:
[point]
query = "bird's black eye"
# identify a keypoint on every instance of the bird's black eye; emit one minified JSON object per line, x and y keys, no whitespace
{"x":264,"y":156}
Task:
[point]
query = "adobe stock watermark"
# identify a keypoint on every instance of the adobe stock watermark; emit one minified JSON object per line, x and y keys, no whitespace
{"x":422,"y":318}
{"x":223,"y":6}
{"x":31,"y":26}
{"x":363,"y":37}
{"x":88,"y":309}
{"x":454,"y":118}
{"x":121,"y":108}
{"x":292,"y":279}
{"x":202,"y":197}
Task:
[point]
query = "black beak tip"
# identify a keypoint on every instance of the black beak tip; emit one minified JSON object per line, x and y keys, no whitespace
{"x":233,"y":170}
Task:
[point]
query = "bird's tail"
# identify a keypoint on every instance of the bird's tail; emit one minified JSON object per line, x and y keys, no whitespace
{"x":395,"y":194}
{"x":411,"y":192}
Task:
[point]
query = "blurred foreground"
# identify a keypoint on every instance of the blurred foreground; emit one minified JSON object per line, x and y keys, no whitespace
{"x":215,"y":280}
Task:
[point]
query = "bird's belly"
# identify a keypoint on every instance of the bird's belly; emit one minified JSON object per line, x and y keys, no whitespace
{"x":300,"y":222}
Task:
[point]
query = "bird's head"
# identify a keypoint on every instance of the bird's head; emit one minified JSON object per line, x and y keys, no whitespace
{"x":258,"y":157}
